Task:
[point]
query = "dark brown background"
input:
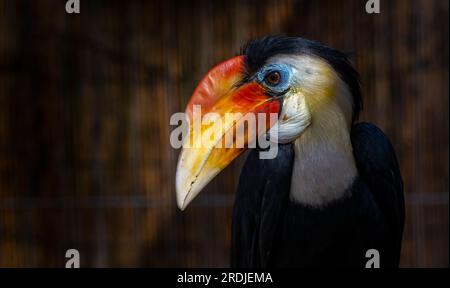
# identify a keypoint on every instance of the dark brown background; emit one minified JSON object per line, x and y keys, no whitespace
{"x":85,"y":102}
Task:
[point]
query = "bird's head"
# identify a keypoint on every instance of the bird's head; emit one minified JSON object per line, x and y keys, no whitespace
{"x":305,"y":82}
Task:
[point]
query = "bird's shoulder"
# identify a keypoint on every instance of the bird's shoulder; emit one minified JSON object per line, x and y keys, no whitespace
{"x":378,"y":167}
{"x":372,"y":149}
{"x":375,"y":156}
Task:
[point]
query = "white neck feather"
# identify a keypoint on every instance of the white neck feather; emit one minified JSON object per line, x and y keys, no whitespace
{"x":324,"y":166}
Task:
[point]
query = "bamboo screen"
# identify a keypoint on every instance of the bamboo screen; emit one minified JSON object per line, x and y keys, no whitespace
{"x":85,"y":103}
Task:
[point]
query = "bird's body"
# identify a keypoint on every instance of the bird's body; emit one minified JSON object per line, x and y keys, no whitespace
{"x":334,"y":190}
{"x":271,"y":230}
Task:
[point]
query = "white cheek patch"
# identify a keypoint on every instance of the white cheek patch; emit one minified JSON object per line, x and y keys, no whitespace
{"x":293,"y":120}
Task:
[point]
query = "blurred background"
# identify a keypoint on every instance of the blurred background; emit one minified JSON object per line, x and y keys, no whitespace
{"x":85,"y":103}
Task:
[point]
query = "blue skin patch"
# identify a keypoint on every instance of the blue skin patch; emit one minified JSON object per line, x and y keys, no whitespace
{"x":285,"y":72}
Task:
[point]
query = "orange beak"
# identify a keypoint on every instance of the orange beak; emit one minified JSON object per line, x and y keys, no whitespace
{"x":220,"y":127}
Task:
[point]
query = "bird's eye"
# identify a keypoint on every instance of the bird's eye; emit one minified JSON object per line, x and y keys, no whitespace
{"x":273,"y":78}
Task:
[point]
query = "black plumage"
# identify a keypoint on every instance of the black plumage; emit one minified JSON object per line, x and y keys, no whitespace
{"x":269,"y":230}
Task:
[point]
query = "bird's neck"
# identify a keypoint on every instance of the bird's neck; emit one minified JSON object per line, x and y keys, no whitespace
{"x":324,"y":166}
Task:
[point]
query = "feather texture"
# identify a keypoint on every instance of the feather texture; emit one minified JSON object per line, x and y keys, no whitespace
{"x":269,"y":230}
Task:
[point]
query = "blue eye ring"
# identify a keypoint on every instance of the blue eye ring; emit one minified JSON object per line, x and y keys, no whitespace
{"x":275,"y":77}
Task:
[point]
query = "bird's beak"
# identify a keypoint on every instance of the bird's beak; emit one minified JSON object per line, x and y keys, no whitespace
{"x":213,"y":145}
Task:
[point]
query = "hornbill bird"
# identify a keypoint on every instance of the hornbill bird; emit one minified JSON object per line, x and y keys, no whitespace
{"x":333,"y":191}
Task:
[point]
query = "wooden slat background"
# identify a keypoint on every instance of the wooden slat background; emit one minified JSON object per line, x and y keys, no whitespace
{"x":85,"y":102}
